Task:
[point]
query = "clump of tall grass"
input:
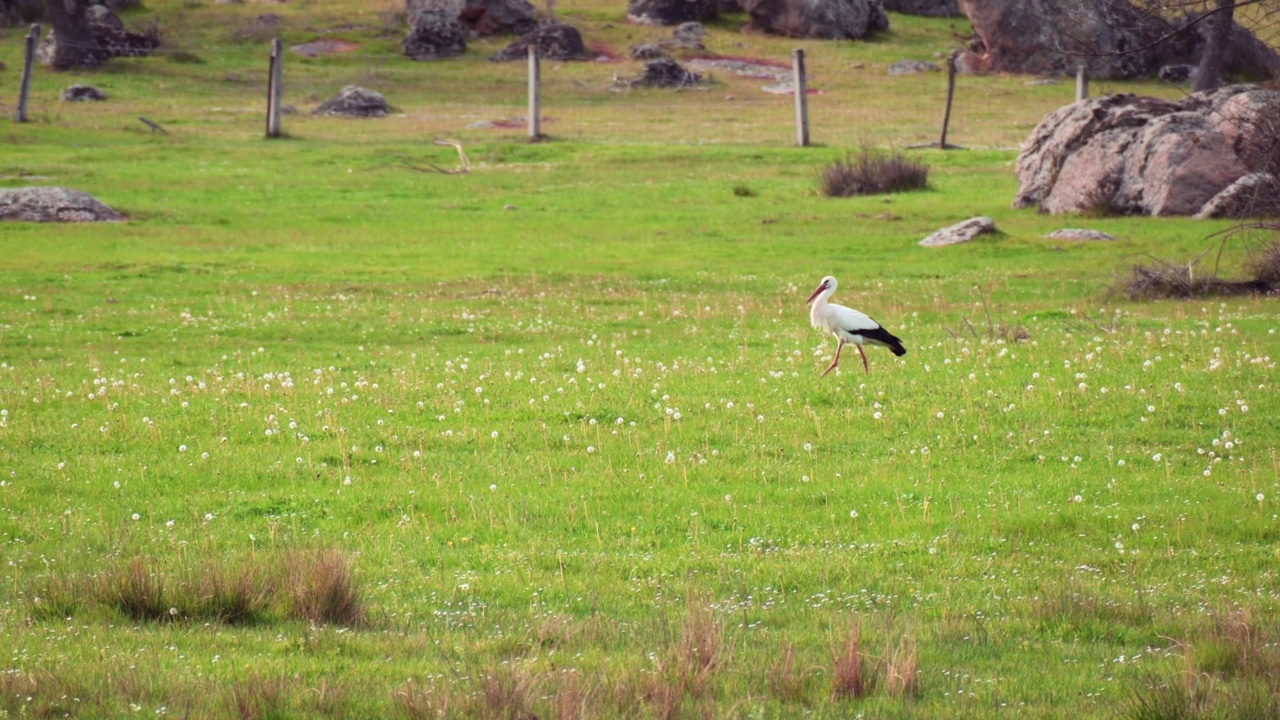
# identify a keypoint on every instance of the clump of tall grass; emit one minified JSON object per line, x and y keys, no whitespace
{"x":322,"y":589}
{"x":850,"y":673}
{"x":872,"y":172}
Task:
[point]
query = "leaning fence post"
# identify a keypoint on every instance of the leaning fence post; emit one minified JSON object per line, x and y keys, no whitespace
{"x":951,"y":94}
{"x":802,"y":97}
{"x":535,"y":93}
{"x":273,"y":89}
{"x":1082,"y":82}
{"x":28,"y":67}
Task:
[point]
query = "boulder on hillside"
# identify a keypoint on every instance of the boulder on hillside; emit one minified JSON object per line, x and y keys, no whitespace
{"x":647,"y":51}
{"x":687,"y":36}
{"x":53,"y":204}
{"x":434,"y":31}
{"x":1253,"y":195}
{"x":111,"y":34}
{"x":82,"y":93}
{"x":818,"y":19}
{"x":669,"y":12}
{"x":555,"y":41}
{"x":1117,"y":39}
{"x":498,"y":17}
{"x":925,"y":8}
{"x":354,"y":101}
{"x":1127,"y":154}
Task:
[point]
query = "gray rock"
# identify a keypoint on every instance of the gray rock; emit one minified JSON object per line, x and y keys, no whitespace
{"x":1177,"y":74}
{"x":498,"y":17}
{"x":434,"y":31}
{"x":961,"y":232}
{"x":688,"y":36}
{"x":647,"y":51}
{"x":822,"y":20}
{"x":912,"y":67}
{"x":53,"y":204}
{"x":664,"y":73}
{"x":555,"y":41}
{"x":354,"y":101}
{"x":82,"y":93}
{"x":109,"y":31}
{"x":1253,"y":195}
{"x":670,"y":12}
{"x":1080,"y":234}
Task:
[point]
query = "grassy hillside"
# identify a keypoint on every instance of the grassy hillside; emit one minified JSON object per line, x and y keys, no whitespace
{"x":315,"y":434}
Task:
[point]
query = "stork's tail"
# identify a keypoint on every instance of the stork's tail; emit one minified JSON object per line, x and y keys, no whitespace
{"x":880,"y":336}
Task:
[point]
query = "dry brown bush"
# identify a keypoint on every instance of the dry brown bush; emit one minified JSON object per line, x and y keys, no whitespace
{"x":872,"y":172}
{"x":322,"y":589}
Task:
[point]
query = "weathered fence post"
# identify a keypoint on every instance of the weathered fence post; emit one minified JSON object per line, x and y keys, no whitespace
{"x":1082,"y":82}
{"x":801,"y":86}
{"x":951,"y":94}
{"x":273,"y":89}
{"x":28,"y":67}
{"x":535,"y":94}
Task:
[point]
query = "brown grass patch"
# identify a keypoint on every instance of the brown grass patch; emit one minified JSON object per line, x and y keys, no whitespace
{"x":849,"y":674}
{"x":872,"y":172}
{"x":786,"y":682}
{"x":322,"y":589}
{"x":902,"y":670}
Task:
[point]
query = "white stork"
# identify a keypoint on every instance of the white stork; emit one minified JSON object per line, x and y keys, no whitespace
{"x":848,"y":325}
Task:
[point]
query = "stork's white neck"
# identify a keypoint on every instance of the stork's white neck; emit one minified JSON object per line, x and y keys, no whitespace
{"x":818,"y":308}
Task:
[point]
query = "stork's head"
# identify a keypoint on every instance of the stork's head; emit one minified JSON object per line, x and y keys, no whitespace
{"x":828,"y":285}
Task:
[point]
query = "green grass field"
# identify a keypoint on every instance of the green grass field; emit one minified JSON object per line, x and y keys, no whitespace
{"x":316,"y":435}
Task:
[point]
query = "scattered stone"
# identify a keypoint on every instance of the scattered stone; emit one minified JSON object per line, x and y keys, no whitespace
{"x":912,"y":67}
{"x":53,"y":204}
{"x":742,"y":68}
{"x":669,"y":12}
{"x":961,"y":232}
{"x":112,"y":36}
{"x":354,"y":101}
{"x":434,"y":31}
{"x":646,"y":51}
{"x":555,"y":41}
{"x":1177,"y":74}
{"x":1253,"y":195}
{"x":82,"y":93}
{"x":498,"y":17}
{"x":1080,"y":234}
{"x":664,"y":73}
{"x":1042,"y":81}
{"x":828,"y":20}
{"x":687,"y":36}
{"x":1127,"y":154}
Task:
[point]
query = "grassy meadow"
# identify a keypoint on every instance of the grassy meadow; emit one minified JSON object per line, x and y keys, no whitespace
{"x":315,"y":434}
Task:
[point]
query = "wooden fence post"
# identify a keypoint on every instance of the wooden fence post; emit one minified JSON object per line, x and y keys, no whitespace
{"x":951,"y":94}
{"x":273,"y":89}
{"x":28,"y":67}
{"x":1082,"y":82}
{"x":535,"y":94}
{"x":801,"y":86}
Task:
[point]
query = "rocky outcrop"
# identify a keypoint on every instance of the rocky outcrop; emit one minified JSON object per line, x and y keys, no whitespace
{"x":1253,"y":195}
{"x":913,"y":67}
{"x":925,"y":8}
{"x":687,"y":36}
{"x":1116,"y":39}
{"x":662,"y":73}
{"x":961,"y":232}
{"x":670,"y":12}
{"x":555,"y":41}
{"x":498,"y":17}
{"x":818,"y":19}
{"x":354,"y":101}
{"x":113,"y":37}
{"x":53,"y":204}
{"x":1127,"y":154}
{"x":434,"y":31}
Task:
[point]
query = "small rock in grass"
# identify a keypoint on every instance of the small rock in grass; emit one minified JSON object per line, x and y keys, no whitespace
{"x":1079,"y":234}
{"x":961,"y":232}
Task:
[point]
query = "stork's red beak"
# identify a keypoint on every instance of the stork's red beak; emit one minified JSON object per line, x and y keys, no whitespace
{"x":816,"y":293}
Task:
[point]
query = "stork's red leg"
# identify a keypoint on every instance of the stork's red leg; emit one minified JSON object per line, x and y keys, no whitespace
{"x":835,"y":362}
{"x":864,"y":360}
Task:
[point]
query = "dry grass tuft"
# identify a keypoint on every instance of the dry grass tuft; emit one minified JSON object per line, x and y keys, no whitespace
{"x":902,"y":670}
{"x":872,"y":172}
{"x":322,"y":590}
{"x":137,"y":591}
{"x":849,"y":676}
{"x":424,"y":702}
{"x":238,"y":595}
{"x":701,"y":652}
{"x":786,"y":683}
{"x":258,"y":698}
{"x":576,"y":698}
{"x":510,"y":693}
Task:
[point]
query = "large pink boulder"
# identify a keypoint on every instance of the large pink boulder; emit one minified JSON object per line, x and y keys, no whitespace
{"x":819,"y":19}
{"x":1129,"y":154}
